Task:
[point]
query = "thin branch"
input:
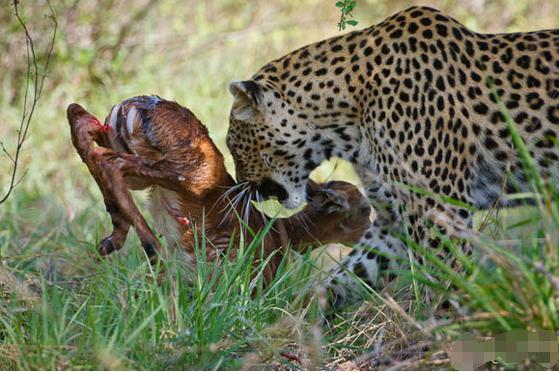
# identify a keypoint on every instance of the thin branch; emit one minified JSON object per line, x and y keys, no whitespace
{"x":37,"y":78}
{"x":6,"y":152}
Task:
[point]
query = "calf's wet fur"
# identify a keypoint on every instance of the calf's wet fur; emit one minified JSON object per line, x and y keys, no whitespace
{"x":149,"y":142}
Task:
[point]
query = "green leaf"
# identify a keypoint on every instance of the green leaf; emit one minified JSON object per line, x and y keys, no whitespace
{"x":340,"y":4}
{"x":351,"y":22}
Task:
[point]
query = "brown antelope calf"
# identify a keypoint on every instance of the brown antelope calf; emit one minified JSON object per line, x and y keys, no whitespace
{"x":149,"y":142}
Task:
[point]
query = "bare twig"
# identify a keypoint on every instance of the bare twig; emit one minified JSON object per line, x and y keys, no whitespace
{"x":36,"y":76}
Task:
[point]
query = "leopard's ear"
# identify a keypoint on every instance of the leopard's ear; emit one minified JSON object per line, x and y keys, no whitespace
{"x":247,"y":99}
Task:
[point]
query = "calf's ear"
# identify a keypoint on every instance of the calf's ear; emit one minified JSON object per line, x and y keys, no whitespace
{"x":247,"y":99}
{"x":329,"y":201}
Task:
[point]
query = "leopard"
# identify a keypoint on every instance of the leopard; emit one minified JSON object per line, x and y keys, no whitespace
{"x":425,"y":109}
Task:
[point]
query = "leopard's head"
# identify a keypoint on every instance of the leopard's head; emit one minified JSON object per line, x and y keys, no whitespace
{"x":271,"y":143}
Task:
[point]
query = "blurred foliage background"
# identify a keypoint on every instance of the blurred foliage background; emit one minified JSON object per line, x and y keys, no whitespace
{"x":188,"y":51}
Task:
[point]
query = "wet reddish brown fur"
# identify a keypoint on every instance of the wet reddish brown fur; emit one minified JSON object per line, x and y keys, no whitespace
{"x":169,"y":150}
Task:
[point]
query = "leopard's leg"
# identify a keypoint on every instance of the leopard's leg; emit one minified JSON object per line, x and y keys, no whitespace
{"x":383,"y":197}
{"x":427,"y":223}
{"x":382,"y":249}
{"x":379,"y":251}
{"x":376,"y":254}
{"x":429,"y":220}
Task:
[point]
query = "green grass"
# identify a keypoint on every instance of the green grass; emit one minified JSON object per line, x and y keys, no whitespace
{"x":61,"y":307}
{"x":504,"y":287}
{"x":120,"y":313}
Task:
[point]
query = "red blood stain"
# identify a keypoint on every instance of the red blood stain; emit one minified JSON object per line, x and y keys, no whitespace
{"x":102,"y":128}
{"x":183,"y":221}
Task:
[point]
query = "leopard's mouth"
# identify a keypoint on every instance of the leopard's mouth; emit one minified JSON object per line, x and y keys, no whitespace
{"x":289,"y":197}
{"x":270,"y":189}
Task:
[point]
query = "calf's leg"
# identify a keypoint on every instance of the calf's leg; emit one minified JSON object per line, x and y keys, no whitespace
{"x":103,"y":166}
{"x":108,"y":167}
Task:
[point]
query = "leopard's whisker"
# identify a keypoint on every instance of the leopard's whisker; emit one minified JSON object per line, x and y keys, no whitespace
{"x":259,"y":199}
{"x":229,"y":191}
{"x":232,"y":204}
{"x":304,"y":220}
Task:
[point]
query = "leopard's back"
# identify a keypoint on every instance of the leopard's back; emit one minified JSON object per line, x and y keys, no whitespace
{"x":423,"y":92}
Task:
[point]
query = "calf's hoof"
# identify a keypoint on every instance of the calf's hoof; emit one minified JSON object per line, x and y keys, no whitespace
{"x":151,"y":248}
{"x":108,"y":246}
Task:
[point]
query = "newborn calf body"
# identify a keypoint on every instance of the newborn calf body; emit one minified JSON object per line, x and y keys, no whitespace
{"x":149,"y":142}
